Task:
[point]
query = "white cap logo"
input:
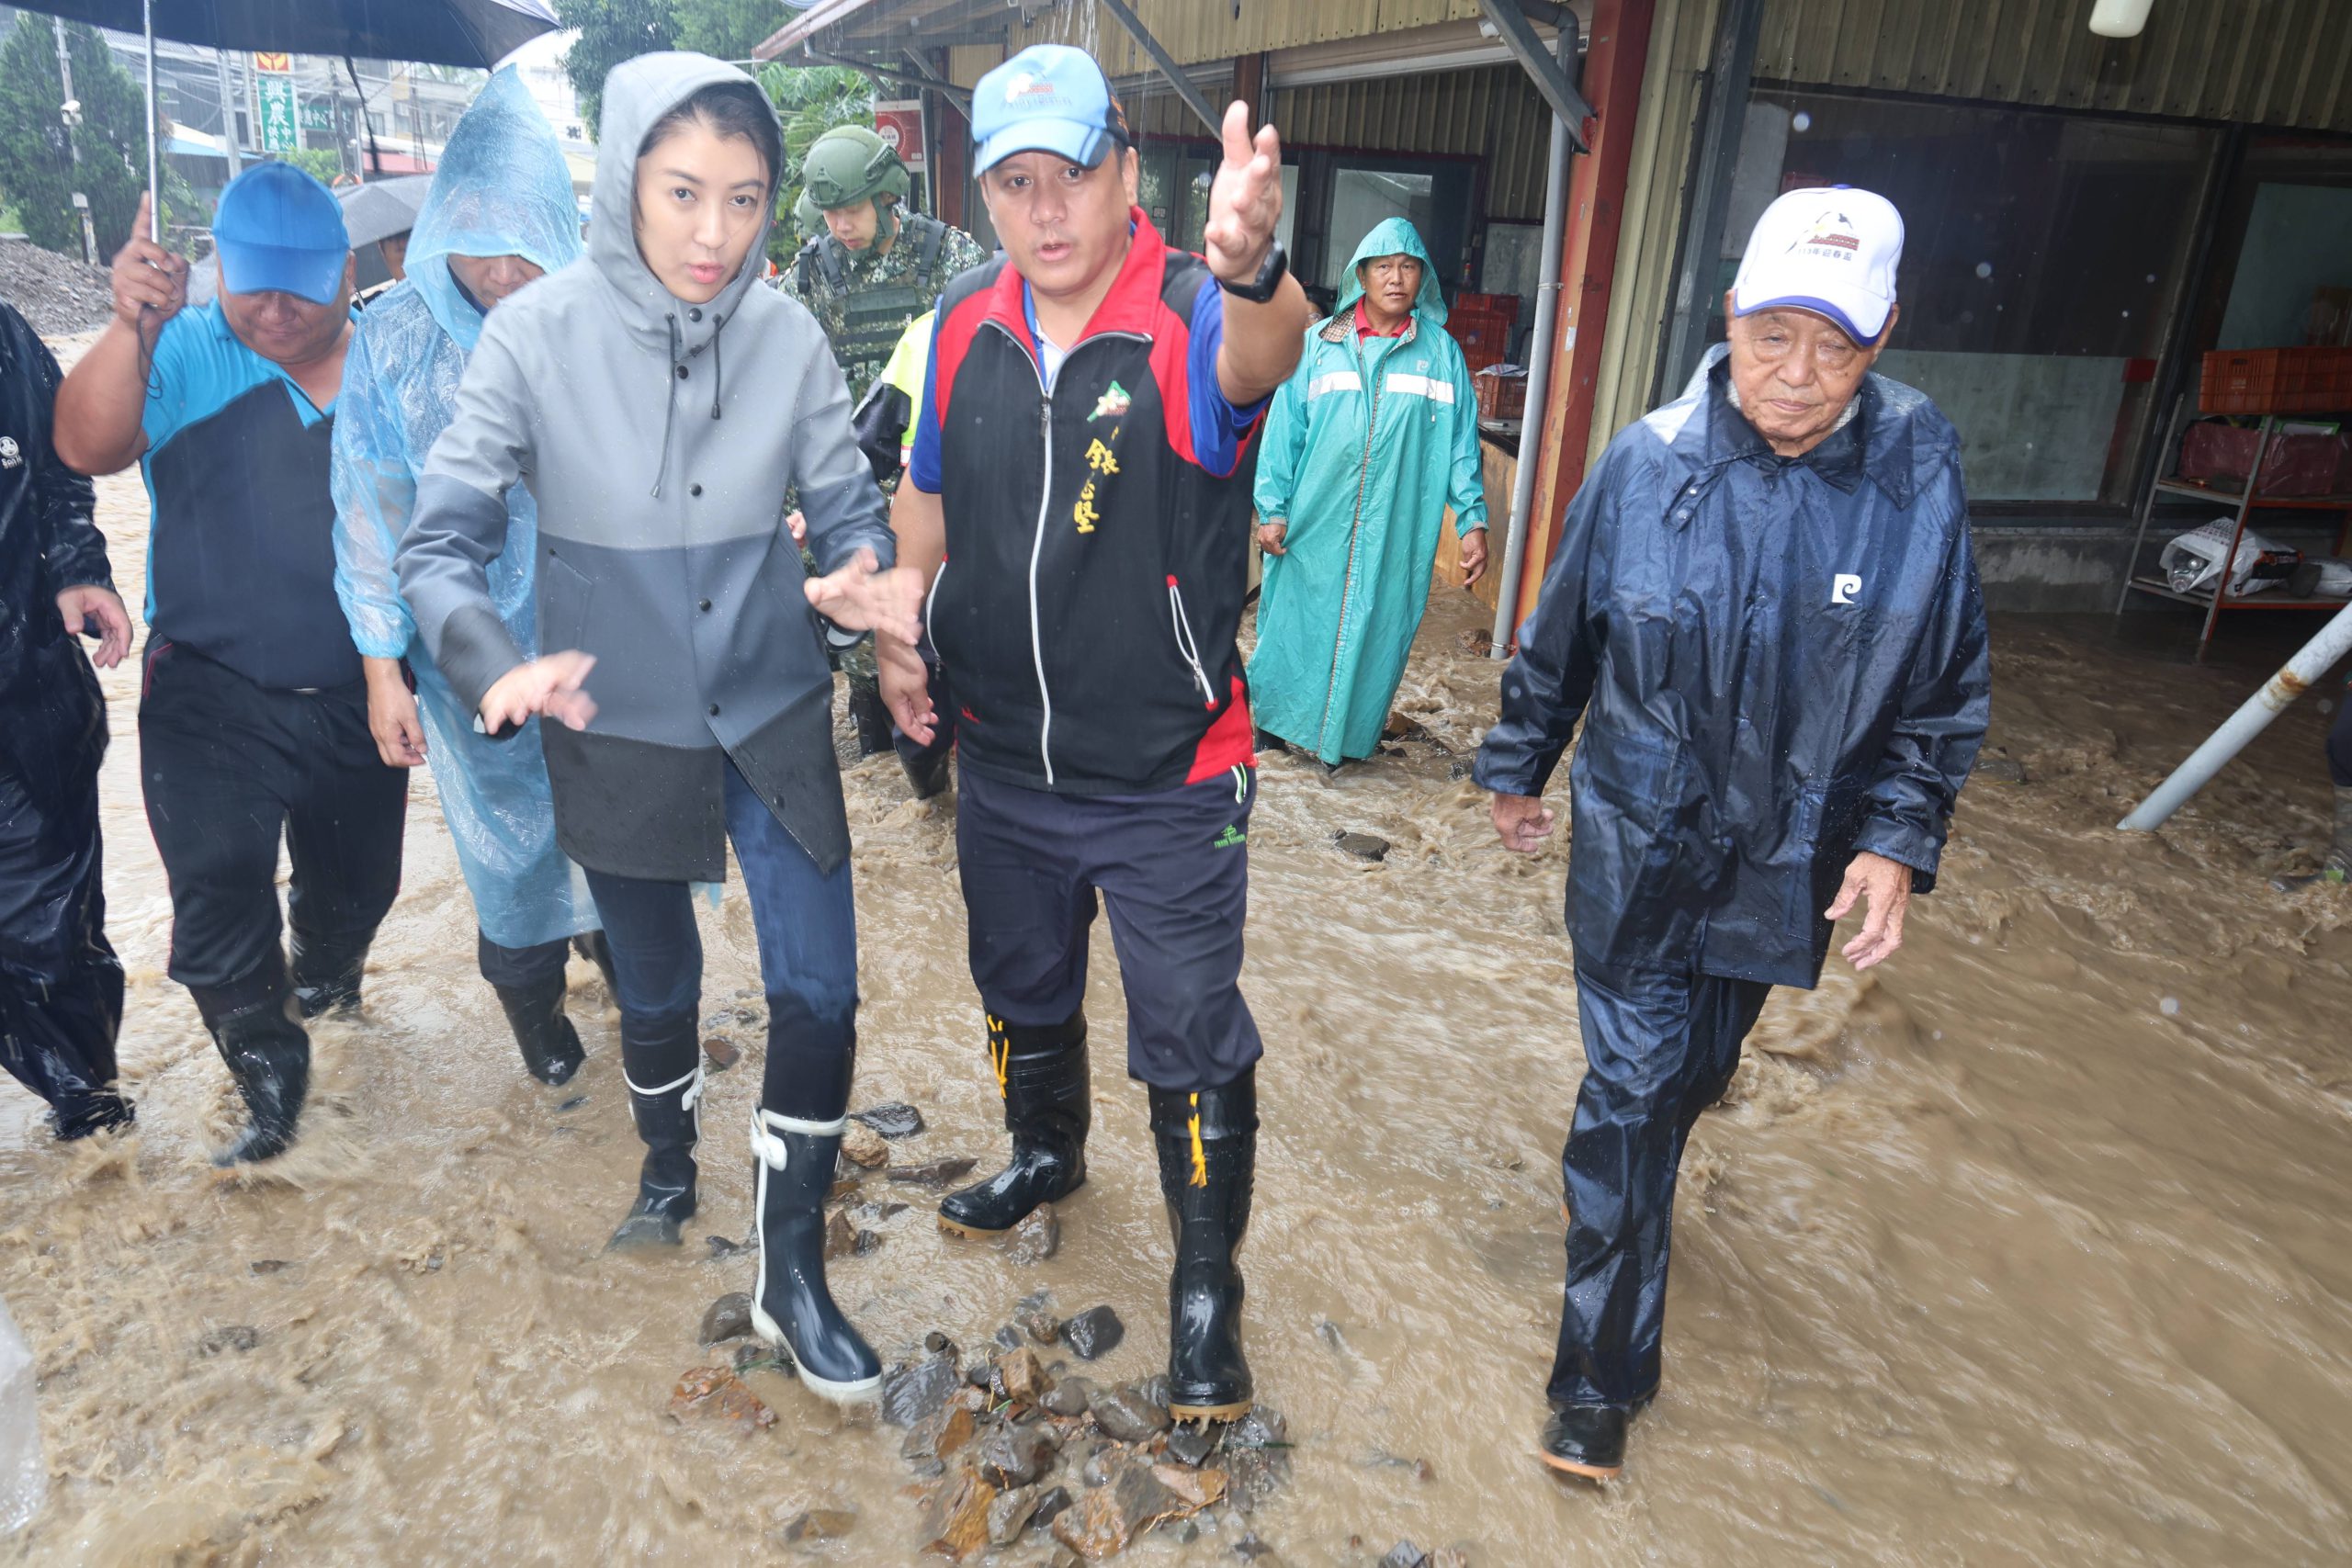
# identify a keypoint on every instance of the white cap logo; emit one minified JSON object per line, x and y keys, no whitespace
{"x":1833,"y":252}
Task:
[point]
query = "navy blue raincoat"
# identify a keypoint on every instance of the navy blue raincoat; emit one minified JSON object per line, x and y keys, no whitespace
{"x":1778,"y":662}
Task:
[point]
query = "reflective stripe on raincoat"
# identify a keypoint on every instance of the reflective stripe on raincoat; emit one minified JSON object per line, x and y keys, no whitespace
{"x":1778,"y":662}
{"x":503,"y":189}
{"x":1367,"y":443}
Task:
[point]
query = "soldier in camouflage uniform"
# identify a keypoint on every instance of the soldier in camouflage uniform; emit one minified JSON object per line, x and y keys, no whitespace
{"x":870,"y":268}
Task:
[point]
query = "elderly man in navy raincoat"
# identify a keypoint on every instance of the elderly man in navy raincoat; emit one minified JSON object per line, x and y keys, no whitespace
{"x":1765,"y":611}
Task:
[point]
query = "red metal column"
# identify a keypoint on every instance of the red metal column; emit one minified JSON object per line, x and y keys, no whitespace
{"x":1615,"y":58}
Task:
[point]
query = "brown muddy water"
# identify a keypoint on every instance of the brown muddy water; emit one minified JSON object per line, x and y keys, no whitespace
{"x":2037,"y":1249}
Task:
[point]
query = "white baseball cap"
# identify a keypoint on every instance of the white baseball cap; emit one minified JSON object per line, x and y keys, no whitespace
{"x":1830,"y":250}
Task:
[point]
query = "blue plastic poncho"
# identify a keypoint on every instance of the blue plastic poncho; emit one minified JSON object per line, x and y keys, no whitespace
{"x":1367,"y":443}
{"x":503,"y":189}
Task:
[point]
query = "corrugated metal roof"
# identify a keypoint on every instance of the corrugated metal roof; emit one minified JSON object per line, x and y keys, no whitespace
{"x":1191,"y":31}
{"x":2282,"y":63}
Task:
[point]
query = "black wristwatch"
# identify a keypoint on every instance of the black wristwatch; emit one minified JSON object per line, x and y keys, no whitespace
{"x":1260,"y":288}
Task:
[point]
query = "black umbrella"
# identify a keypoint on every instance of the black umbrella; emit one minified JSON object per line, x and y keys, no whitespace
{"x":433,"y":32}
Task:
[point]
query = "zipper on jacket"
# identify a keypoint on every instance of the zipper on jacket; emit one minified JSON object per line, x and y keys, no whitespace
{"x":1355,"y":531}
{"x":1186,"y":649}
{"x":1038,"y":544}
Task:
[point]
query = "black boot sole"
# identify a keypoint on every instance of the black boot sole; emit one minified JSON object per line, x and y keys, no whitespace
{"x":982,"y":1233}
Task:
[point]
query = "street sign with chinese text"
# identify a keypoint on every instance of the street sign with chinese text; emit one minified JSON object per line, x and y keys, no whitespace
{"x":279,"y":125}
{"x":317,"y":114}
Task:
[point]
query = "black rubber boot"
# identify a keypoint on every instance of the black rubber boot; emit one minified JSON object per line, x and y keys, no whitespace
{"x":270,"y":1055}
{"x":872,"y":717}
{"x":791,"y":1304}
{"x":1041,"y":1071}
{"x":1208,"y":1148}
{"x":593,"y":947}
{"x":327,"y":971}
{"x":662,"y":1063}
{"x":1585,"y":1440}
{"x":550,"y":1045}
{"x":927,"y":776}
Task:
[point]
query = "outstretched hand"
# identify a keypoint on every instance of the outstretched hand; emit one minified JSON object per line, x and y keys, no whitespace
{"x":1245,"y":199}
{"x":865,"y":596}
{"x":1885,"y":886}
{"x":548,"y":687}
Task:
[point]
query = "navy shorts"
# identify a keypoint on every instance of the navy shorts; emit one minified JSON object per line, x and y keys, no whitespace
{"x":1174,"y":869}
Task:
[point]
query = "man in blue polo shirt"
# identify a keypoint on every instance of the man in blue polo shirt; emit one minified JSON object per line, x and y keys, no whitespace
{"x":253,"y":719}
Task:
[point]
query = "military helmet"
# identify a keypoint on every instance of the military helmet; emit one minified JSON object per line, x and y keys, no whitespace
{"x":846,"y":166}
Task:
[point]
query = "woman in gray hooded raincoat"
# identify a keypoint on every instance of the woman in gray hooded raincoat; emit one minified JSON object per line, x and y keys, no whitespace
{"x":499,"y":215}
{"x":689,"y":683}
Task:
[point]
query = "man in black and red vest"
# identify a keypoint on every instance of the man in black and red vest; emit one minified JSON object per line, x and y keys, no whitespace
{"x":1079,"y":485}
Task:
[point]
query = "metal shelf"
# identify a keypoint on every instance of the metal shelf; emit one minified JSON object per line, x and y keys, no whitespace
{"x":2242,"y":504}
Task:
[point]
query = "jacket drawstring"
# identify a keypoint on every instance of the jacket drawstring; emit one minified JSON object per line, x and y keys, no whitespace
{"x":669,"y":404}
{"x":718,"y":372}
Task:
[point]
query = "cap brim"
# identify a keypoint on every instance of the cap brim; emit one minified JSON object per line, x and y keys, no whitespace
{"x":1086,"y":145}
{"x":1859,"y":316}
{"x":315,"y":276}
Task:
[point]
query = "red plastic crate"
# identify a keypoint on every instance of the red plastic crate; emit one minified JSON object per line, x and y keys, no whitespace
{"x":2276,"y":380}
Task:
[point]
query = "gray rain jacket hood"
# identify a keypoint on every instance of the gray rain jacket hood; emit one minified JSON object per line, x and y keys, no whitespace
{"x":663,"y":551}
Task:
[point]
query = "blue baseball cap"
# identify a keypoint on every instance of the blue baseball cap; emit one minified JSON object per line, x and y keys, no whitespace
{"x":1048,"y":98}
{"x":279,"y":230}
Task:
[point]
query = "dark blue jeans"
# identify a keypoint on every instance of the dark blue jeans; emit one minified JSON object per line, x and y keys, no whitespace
{"x":1659,"y":1048}
{"x":807,"y":925}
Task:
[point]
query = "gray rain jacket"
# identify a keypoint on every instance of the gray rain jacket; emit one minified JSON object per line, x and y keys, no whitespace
{"x":662,"y":547}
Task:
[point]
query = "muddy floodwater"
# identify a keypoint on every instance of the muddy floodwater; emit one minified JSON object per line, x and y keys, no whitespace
{"x":2037,"y":1249}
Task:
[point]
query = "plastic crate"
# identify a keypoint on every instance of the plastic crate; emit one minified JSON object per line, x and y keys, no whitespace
{"x":1502,"y":390}
{"x":1503,"y":305}
{"x":2276,"y":380}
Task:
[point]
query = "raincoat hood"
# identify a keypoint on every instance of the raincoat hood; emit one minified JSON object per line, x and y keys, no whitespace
{"x":503,"y":189}
{"x":637,"y":95}
{"x":1394,"y":237}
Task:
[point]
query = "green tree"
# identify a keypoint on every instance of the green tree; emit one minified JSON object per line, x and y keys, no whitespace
{"x":729,"y":29}
{"x":810,"y":100}
{"x":36,"y":167}
{"x":324,"y":165}
{"x":610,"y":32}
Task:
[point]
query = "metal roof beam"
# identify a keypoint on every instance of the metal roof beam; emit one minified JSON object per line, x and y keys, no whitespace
{"x":1550,"y":78}
{"x":903,"y":76}
{"x":1167,"y":63}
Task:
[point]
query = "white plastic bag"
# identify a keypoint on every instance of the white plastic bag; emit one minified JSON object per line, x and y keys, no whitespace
{"x":2191,"y":562}
{"x":24,"y":1479}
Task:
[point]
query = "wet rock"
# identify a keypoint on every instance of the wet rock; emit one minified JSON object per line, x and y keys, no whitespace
{"x":1334,"y":1338}
{"x":1479,"y":642}
{"x":867,"y":1241}
{"x":1051,"y":1501}
{"x":1455,"y":771}
{"x":721,"y":1052}
{"x":1189,"y":1444}
{"x":1007,"y":1337}
{"x":1094,"y":1333}
{"x":980,"y":1373}
{"x":758,"y":1356}
{"x":1040,"y":1325}
{"x":238,"y":1336}
{"x":892,"y":1119}
{"x":269,"y":1265}
{"x":1098,"y":1466}
{"x":1257,"y":1457}
{"x":1404,"y":727}
{"x":574,"y":1103}
{"x":728,"y":1317}
{"x":1154,"y":1388}
{"x":955,"y":1517}
{"x":1128,"y":1415}
{"x":716,"y":1393}
{"x":1249,"y":1549}
{"x":1015,"y":1456}
{"x":938,"y":1344}
{"x":938,"y":1435}
{"x":1010,"y":1514}
{"x":1262,"y":1427}
{"x":1107,"y":1518}
{"x":862,"y":1145}
{"x":843,"y":1185}
{"x":722,"y":1247}
{"x":1405,"y":1554}
{"x":1195,"y":1488}
{"x":1184,"y":1531}
{"x":1038,"y":1237}
{"x":877,"y":1212}
{"x":2000,"y":770}
{"x":1068,"y":1397}
{"x":1364,"y":846}
{"x":1022,"y":1378}
{"x":938,"y":1173}
{"x":821,"y":1523}
{"x":915,"y":1391}
{"x":840,"y":1236}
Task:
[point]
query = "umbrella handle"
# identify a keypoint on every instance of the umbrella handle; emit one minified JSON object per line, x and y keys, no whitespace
{"x":154,"y":169}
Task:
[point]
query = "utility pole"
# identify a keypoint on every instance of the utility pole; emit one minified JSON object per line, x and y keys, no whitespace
{"x":227,"y":112}
{"x":72,"y":112}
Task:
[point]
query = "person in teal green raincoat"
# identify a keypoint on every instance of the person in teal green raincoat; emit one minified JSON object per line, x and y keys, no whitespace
{"x":1367,"y":443}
